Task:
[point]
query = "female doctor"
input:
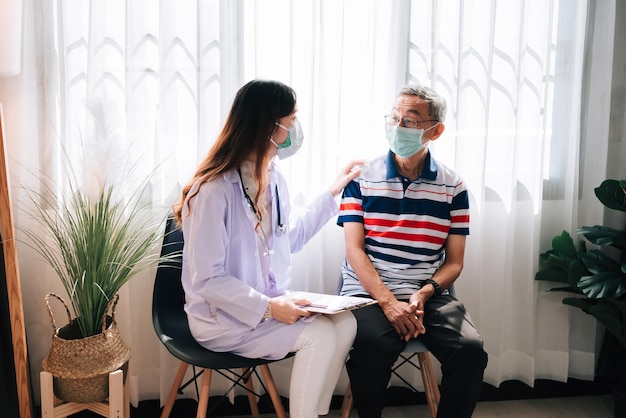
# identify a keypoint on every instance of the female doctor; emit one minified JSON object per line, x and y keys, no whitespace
{"x":239,"y":236}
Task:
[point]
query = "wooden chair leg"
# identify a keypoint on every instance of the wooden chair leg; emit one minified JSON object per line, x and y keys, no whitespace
{"x":254,"y":407}
{"x":430,"y":382}
{"x":271,"y":388}
{"x":348,"y":402}
{"x":429,"y":379}
{"x":171,"y":397}
{"x":203,"y":401}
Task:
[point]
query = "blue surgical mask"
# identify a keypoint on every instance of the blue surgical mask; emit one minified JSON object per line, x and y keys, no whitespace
{"x":292,"y":144}
{"x":405,"y":142}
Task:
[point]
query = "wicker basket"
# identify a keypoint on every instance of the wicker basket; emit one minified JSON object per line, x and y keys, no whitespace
{"x":81,"y":366}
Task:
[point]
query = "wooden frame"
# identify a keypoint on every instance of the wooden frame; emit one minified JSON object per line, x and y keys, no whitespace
{"x":14,"y":289}
{"x":116,"y":405}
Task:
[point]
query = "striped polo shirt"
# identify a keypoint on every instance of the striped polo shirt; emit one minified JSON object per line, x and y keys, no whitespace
{"x":406,"y":222}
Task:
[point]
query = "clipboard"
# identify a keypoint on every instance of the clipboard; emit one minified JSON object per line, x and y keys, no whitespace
{"x":328,"y":304}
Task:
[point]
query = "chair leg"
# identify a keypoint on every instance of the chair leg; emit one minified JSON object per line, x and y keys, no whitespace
{"x":254,"y":407}
{"x":203,"y":401}
{"x":271,"y":388}
{"x":169,"y":404}
{"x":348,"y":401}
{"x":430,"y":382}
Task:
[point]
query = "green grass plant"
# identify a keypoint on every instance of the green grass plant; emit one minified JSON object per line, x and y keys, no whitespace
{"x":95,"y":247}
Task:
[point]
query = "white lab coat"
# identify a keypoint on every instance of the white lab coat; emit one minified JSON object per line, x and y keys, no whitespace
{"x":226,"y":293}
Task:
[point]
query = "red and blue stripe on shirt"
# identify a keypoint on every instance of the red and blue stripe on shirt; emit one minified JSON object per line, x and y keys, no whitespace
{"x":406,"y":222}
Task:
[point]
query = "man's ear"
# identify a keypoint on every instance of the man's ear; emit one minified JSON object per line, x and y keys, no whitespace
{"x":438,"y":130}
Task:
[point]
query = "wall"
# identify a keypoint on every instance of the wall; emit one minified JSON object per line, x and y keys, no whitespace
{"x":617,"y":128}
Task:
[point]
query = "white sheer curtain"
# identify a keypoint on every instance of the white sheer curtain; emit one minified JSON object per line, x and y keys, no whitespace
{"x":512,"y":72}
{"x":510,"y":75}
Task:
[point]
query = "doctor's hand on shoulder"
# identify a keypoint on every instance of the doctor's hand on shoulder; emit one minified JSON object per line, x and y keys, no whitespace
{"x":345,"y":176}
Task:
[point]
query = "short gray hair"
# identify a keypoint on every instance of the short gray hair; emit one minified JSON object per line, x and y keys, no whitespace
{"x":438,"y":104}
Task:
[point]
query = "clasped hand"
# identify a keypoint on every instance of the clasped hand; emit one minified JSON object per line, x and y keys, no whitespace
{"x":407,"y":318}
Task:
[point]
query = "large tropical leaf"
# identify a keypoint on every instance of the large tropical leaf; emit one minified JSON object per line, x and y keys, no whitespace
{"x":611,"y":313}
{"x":604,"y":235}
{"x":561,"y":263}
{"x":599,"y":277}
{"x":612,"y":194}
{"x":563,"y":252}
{"x":606,"y":279}
{"x":576,"y":271}
{"x":552,"y":274}
{"x":581,"y":303}
{"x":564,"y":246}
{"x":568,"y":289}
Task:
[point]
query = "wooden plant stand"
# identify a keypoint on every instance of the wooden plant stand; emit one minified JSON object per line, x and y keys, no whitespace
{"x":116,"y":406}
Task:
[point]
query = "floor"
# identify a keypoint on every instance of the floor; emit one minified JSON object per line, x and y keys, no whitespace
{"x":576,"y":399}
{"x":600,"y":406}
{"x":546,"y":399}
{"x":588,"y":406}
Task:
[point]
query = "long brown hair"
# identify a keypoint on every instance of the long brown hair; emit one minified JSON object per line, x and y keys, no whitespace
{"x":248,"y":126}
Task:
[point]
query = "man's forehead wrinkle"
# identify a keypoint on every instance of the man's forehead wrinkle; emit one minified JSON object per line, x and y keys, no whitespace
{"x":414,"y":104}
{"x":410,"y":110}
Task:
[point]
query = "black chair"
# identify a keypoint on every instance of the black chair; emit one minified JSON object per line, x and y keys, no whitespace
{"x":170,"y":323}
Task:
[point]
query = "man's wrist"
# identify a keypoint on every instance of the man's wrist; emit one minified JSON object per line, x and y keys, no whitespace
{"x":435,"y":285}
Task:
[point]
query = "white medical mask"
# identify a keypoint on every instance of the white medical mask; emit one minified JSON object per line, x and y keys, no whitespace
{"x":293,"y":143}
{"x":405,"y":142}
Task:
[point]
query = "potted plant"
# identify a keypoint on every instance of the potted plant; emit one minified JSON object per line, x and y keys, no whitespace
{"x":96,"y":234}
{"x":596,"y":276}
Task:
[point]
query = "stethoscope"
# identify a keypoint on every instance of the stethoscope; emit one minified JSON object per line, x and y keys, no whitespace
{"x":280,"y":227}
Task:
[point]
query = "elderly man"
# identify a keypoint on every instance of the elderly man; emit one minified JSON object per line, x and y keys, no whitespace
{"x":405,"y":220}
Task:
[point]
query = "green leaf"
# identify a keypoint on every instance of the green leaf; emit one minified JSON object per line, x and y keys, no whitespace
{"x":553,"y":259}
{"x":604,"y":235}
{"x":583,"y":304}
{"x":609,"y":312}
{"x":606,"y":281}
{"x":612,"y":194}
{"x":562,"y":264}
{"x":598,"y":277}
{"x":564,"y":246}
{"x":575,"y":271}
{"x":610,"y":315}
{"x":552,"y":274}
{"x":562,"y":253}
{"x":620,"y":305}
{"x":566,"y":289}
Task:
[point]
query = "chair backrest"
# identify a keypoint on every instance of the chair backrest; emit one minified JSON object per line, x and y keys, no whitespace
{"x":168,"y":297}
